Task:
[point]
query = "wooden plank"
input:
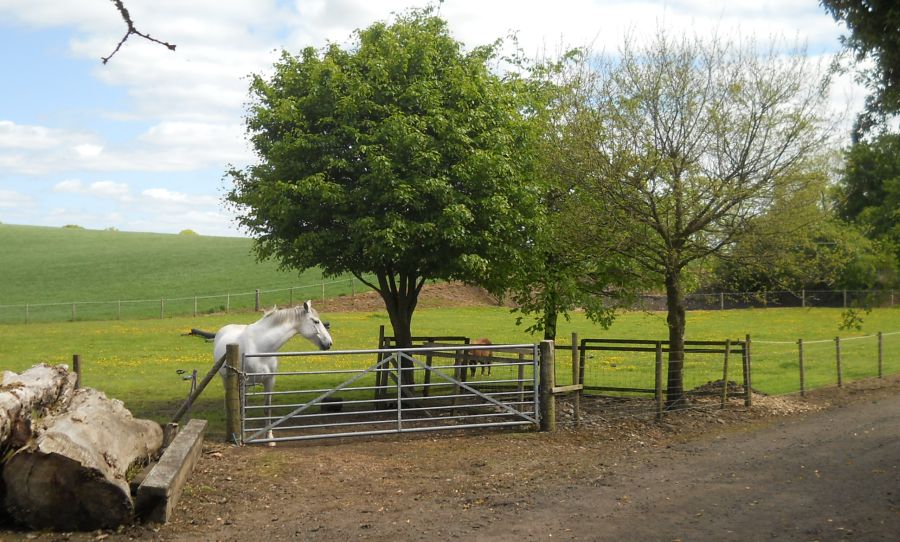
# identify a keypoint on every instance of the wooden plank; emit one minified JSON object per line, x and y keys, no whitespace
{"x":566,"y":389}
{"x":158,"y":495}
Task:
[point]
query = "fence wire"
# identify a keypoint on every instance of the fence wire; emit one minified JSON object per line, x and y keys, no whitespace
{"x":136,"y":309}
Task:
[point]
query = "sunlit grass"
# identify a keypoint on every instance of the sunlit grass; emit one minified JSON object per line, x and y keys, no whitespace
{"x":137,"y":360}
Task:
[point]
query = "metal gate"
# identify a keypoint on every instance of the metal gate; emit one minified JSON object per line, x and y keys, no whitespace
{"x":432,"y":388}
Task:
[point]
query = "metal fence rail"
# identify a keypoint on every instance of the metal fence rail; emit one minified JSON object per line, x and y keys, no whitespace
{"x":403,"y":391}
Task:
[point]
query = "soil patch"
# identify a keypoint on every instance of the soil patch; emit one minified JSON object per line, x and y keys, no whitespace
{"x":434,"y":295}
{"x":610,"y":478}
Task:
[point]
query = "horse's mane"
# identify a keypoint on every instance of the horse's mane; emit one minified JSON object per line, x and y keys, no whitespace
{"x":279,"y":316}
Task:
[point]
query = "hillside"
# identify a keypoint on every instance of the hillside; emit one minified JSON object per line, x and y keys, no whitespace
{"x":62,"y":265}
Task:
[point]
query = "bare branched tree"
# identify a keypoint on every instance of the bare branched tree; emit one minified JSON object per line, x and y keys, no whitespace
{"x":695,"y":140}
{"x":132,"y":30}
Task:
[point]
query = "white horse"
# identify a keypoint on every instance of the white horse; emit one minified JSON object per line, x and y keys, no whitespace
{"x":268,"y":334}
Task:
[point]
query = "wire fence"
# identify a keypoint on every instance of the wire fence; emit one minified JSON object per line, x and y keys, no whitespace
{"x":174,"y":306}
{"x":787,"y":298}
{"x":126,"y":309}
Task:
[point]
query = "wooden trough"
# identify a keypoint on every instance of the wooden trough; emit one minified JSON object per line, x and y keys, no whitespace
{"x":158,"y":494}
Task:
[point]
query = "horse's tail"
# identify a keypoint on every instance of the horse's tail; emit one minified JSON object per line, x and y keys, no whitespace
{"x":201,"y":333}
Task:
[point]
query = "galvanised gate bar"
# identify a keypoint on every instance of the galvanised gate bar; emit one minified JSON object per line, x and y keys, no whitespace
{"x":394,"y":390}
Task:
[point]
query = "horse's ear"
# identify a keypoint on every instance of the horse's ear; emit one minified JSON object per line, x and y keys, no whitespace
{"x":307,"y":305}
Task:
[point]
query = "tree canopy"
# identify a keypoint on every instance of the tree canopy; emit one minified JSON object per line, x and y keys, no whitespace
{"x":402,"y":156}
{"x":874,"y":27}
{"x":869,"y":187}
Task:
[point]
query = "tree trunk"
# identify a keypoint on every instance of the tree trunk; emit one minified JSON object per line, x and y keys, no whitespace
{"x":24,"y":396}
{"x":400,"y":299}
{"x":676,"y":319}
{"x":551,"y":318}
{"x":71,"y":475}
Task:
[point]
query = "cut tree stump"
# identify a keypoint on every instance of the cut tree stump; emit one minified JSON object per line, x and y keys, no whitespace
{"x":71,"y":475}
{"x":32,"y":393}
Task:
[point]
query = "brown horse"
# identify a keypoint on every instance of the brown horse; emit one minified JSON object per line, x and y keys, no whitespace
{"x":480,"y":357}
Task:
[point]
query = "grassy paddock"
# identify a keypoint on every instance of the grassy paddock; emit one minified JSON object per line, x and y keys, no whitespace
{"x":60,"y":274}
{"x":137,"y":360}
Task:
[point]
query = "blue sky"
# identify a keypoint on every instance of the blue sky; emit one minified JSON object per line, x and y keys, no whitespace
{"x":142,"y":143}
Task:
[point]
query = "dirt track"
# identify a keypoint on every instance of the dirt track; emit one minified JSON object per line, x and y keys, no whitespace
{"x":830,"y":474}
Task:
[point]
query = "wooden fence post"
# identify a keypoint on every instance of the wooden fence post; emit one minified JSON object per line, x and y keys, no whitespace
{"x":76,"y":367}
{"x":837,"y":357}
{"x":803,"y":298}
{"x":880,"y":355}
{"x":118,"y":310}
{"x":802,"y":368}
{"x":257,"y":300}
{"x":233,"y":431}
{"x":548,"y":372}
{"x":725,"y":373}
{"x":748,"y":381}
{"x":381,"y":378}
{"x":577,"y":400}
{"x":660,"y":403}
{"x":162,"y":308}
{"x":26,"y":313}
{"x":227,"y":302}
{"x":73,"y":312}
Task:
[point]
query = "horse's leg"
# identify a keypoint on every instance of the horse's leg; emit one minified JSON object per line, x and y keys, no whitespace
{"x":269,"y":386}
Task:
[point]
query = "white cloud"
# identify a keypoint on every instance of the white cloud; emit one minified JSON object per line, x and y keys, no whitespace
{"x":17,"y":136}
{"x":10,"y":199}
{"x":88,"y":150}
{"x":99,"y":189}
{"x":69,"y":185}
{"x":165,"y":196}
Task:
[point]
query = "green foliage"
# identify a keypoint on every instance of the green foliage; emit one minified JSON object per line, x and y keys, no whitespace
{"x":47,"y":265}
{"x":869,"y":190}
{"x":693,"y":140}
{"x":874,"y":35}
{"x":187,"y":232}
{"x":798,"y":243}
{"x":566,"y":270}
{"x":402,"y":156}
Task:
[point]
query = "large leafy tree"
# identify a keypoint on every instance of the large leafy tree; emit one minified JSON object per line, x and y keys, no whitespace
{"x":401,"y":157}
{"x":874,"y":27}
{"x":799,"y":243}
{"x":694,"y":140}
{"x":868,"y":193}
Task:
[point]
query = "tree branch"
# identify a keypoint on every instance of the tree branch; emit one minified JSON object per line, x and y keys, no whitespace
{"x":132,"y":30}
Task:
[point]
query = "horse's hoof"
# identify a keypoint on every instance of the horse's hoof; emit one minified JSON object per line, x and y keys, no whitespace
{"x":271,"y":444}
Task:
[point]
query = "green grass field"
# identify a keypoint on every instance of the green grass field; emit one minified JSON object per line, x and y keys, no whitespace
{"x":137,"y":360}
{"x":132,"y":353}
{"x":50,"y":269}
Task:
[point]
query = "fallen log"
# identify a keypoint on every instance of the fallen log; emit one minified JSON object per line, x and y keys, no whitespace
{"x":72,"y":474}
{"x":32,"y":393}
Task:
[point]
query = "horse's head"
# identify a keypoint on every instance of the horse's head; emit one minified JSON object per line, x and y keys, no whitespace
{"x":313,"y":328}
